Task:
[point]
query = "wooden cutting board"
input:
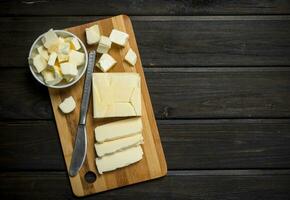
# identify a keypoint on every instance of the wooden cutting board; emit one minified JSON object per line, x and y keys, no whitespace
{"x":153,"y":164}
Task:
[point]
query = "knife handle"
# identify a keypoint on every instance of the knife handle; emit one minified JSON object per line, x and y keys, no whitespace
{"x":87,"y":88}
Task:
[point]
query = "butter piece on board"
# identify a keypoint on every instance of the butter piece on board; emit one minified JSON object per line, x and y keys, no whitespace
{"x":118,"y":129}
{"x":116,"y":95}
{"x":119,"y":159}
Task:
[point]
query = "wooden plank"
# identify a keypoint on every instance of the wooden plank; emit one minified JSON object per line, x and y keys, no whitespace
{"x":152,"y":165}
{"x":203,"y":41}
{"x":139,"y":7}
{"x":175,"y":93}
{"x":188,"y":144}
{"x":238,"y":184}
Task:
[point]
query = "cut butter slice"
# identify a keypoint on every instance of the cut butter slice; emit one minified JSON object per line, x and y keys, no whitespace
{"x":68,"y":105}
{"x":118,"y":145}
{"x":131,"y":57}
{"x":119,"y":159}
{"x":119,"y":37}
{"x":106,"y":62}
{"x":118,"y":129}
{"x":93,"y":34}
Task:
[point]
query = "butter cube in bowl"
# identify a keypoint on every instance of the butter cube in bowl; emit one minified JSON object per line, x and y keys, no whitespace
{"x":58,"y":59}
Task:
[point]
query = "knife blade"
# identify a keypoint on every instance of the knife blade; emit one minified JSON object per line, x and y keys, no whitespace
{"x":80,"y":147}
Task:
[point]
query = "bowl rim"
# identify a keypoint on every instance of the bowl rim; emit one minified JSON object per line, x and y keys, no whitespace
{"x":70,"y":83}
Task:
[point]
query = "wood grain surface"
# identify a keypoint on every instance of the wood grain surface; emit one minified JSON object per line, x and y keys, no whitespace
{"x":139,"y":7}
{"x":176,"y":93}
{"x":231,"y":60}
{"x":153,"y":164}
{"x":204,"y":144}
{"x":180,"y":185}
{"x":204,"y":40}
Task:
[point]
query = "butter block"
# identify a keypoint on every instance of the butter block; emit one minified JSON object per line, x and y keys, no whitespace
{"x":57,"y":76}
{"x":93,"y":34}
{"x":64,"y":48}
{"x":39,"y":63}
{"x":118,"y":129}
{"x":119,"y":159}
{"x":48,"y":76}
{"x":116,"y":95}
{"x":118,"y":145}
{"x":62,"y":57}
{"x":76,"y":57}
{"x":104,"y":45}
{"x":131,"y":57}
{"x":75,"y":43}
{"x":44,"y":53}
{"x":119,"y":37}
{"x":69,"y":70}
{"x":52,"y":58}
{"x":50,"y":40}
{"x":106,"y":62}
{"x":68,"y":105}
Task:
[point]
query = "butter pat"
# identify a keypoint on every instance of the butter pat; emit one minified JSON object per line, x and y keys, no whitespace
{"x":43,"y":52}
{"x":52,"y":59}
{"x":75,"y":43}
{"x":118,"y":145}
{"x":93,"y":34}
{"x":69,"y":70}
{"x":116,"y":95}
{"x":62,"y":57}
{"x":131,"y":57}
{"x":119,"y":159}
{"x":118,"y":129}
{"x":106,"y":62}
{"x":119,"y":37}
{"x":39,"y":63}
{"x":50,"y":40}
{"x":68,"y":105}
{"x":64,"y":48}
{"x":77,"y":58}
{"x":48,"y":76}
{"x":104,"y":45}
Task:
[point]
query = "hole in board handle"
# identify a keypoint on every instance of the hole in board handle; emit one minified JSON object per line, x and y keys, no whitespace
{"x":90,"y":177}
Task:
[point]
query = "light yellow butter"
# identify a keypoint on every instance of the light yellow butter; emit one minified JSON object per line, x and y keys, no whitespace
{"x":118,"y":145}
{"x":68,"y":105}
{"x":52,"y":59}
{"x":104,"y":45}
{"x":119,"y":37}
{"x":119,"y":159}
{"x":131,"y":57}
{"x":39,"y":63}
{"x":50,"y":40}
{"x":118,"y":129}
{"x":41,"y":50}
{"x":69,"y":70}
{"x":93,"y":34}
{"x":76,"y":57}
{"x":106,"y":62}
{"x":116,"y":95}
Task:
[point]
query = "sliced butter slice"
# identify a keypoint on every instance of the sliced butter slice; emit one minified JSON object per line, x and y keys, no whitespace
{"x":119,"y":159}
{"x":50,"y":40}
{"x":118,"y":145}
{"x":119,"y":37}
{"x":131,"y":57}
{"x":93,"y":34}
{"x":118,"y":129}
{"x":68,"y":105}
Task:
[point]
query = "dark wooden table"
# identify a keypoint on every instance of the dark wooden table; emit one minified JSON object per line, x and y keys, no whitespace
{"x":219,"y":78}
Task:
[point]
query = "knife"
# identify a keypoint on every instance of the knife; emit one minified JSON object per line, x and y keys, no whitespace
{"x":80,"y":148}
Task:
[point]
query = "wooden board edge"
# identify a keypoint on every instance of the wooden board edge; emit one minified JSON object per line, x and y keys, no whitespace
{"x":162,"y":159}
